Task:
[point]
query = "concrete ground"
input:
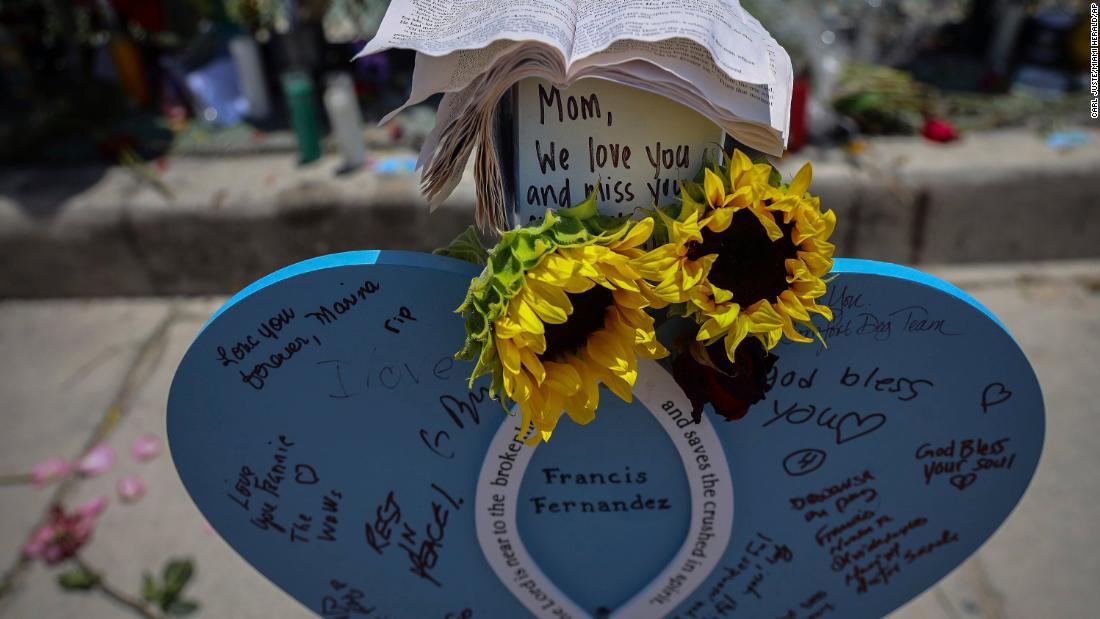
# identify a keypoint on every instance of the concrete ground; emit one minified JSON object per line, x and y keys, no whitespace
{"x":77,"y":371}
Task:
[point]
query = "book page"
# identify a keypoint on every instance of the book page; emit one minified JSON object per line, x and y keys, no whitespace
{"x":720,"y":26}
{"x":451,"y":73}
{"x":692,"y":63}
{"x":781,"y":90}
{"x":646,"y":76}
{"x":439,"y":27}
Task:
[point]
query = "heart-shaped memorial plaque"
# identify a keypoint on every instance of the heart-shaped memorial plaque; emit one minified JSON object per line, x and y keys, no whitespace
{"x":322,"y":426}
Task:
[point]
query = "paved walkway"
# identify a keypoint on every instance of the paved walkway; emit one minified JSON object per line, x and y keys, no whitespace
{"x":78,"y":371}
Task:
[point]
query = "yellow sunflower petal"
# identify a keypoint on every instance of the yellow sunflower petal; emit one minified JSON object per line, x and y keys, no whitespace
{"x":639,"y":233}
{"x":792,"y":305}
{"x":719,"y":219}
{"x":555,"y":296}
{"x":521,"y":312}
{"x":792,"y":333}
{"x":533,"y":365}
{"x":576,"y":406}
{"x":768,"y":221}
{"x":509,"y":354}
{"x":546,"y":308}
{"x":713,"y":188}
{"x":621,"y":384}
{"x":764,"y":317}
{"x":562,"y":378}
{"x":720,"y":295}
{"x":590,"y":384}
{"x":802,"y":180}
{"x":738,"y":167}
{"x":735,"y":336}
{"x":607,"y":352}
{"x":817,"y":264}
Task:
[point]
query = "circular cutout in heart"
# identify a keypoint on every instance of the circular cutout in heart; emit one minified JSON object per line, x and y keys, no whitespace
{"x":587,"y":484}
{"x":321,"y":424}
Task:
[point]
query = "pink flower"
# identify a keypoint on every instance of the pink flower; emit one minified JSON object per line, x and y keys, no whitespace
{"x":62,"y":535}
{"x":97,"y":461}
{"x":146,"y":447}
{"x":48,"y":471}
{"x":93,"y":508}
{"x":130,"y":489}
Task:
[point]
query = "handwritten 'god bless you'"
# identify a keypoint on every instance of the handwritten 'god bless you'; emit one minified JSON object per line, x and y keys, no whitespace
{"x":600,"y":160}
{"x":841,"y":423}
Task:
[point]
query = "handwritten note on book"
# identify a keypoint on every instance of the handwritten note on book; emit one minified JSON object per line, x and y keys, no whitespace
{"x":631,"y":146}
{"x":323,"y":428}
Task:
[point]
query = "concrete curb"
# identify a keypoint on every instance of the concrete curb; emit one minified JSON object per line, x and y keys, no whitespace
{"x":110,"y":231}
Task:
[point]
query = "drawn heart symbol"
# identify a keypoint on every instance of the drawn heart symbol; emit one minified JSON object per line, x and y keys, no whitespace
{"x":994,"y":394}
{"x":963,"y":481}
{"x":858,"y":426}
{"x":322,"y":426}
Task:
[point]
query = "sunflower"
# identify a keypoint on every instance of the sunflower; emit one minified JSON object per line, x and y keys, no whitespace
{"x":559,"y":309}
{"x":745,"y":255}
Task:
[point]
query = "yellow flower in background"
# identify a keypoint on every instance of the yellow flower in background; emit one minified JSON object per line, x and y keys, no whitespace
{"x":745,"y":255}
{"x":559,"y":309}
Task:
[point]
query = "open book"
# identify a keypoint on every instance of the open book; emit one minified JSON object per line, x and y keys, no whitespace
{"x":709,"y":55}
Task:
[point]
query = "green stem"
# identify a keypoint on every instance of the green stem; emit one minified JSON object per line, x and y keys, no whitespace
{"x":15,"y":479}
{"x":130,"y":602}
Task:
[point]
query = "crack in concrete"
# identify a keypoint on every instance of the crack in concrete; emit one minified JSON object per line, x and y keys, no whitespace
{"x":132,"y":239}
{"x":945,"y":604}
{"x":918,"y":226}
{"x":145,"y":361}
{"x":989,"y":599}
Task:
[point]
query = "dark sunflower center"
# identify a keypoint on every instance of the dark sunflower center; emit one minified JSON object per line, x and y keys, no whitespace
{"x":749,"y":264}
{"x":589,"y":308}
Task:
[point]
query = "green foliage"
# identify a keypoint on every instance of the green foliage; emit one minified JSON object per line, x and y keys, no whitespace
{"x":882,"y":100}
{"x":78,"y":579}
{"x":466,"y":247}
{"x":518,"y":251}
{"x":168,"y":594}
{"x":662,"y":215}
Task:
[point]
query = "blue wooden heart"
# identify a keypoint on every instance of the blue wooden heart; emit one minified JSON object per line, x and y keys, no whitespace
{"x":322,"y":426}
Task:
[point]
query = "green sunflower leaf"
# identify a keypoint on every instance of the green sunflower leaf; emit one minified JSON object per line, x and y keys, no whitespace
{"x":694,"y":191}
{"x":569,"y":232}
{"x":527,"y":249}
{"x":486,"y":362}
{"x":507,"y":269}
{"x":476,"y":325}
{"x":775,"y":179}
{"x":466,"y":247}
{"x":708,"y":163}
{"x":585,"y":210}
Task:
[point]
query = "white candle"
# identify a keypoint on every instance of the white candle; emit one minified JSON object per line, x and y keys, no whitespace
{"x":345,"y":119}
{"x":250,"y":73}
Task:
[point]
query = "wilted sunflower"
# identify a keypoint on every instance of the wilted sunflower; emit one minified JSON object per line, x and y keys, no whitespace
{"x":745,"y":255}
{"x":559,"y":309}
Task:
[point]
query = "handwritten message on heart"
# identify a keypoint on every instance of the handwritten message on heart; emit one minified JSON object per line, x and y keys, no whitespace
{"x":321,"y":424}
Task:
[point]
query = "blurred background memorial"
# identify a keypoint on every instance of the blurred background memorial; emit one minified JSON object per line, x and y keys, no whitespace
{"x":118,"y":80}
